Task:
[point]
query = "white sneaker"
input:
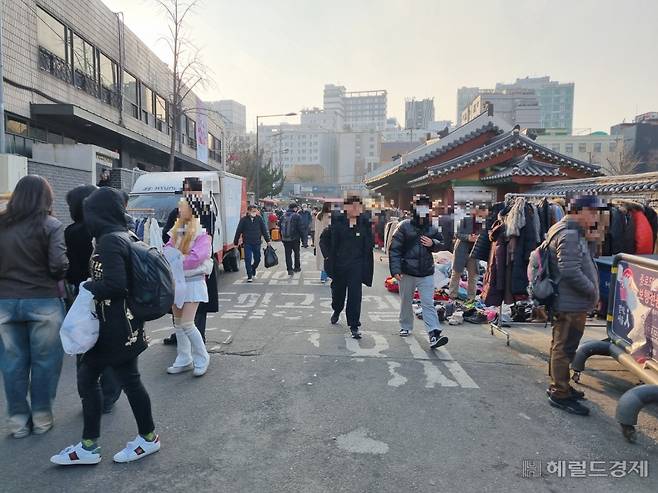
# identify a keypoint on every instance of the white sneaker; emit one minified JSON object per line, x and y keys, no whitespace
{"x":173,"y":370}
{"x":138,"y":449}
{"x":77,"y":454}
{"x":201,"y":370}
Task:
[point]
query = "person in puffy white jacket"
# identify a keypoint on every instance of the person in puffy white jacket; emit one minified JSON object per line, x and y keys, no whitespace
{"x":195,"y":246}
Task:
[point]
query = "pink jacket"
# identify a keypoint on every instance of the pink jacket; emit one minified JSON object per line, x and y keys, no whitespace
{"x":199,"y":253}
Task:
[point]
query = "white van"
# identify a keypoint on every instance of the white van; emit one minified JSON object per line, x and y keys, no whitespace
{"x":157,"y":194}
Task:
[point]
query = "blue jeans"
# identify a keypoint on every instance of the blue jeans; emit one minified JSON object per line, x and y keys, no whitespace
{"x":425,"y":285}
{"x":31,"y":353}
{"x":251,"y":251}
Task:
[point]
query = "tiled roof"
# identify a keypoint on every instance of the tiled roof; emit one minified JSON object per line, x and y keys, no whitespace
{"x":435,"y":147}
{"x":504,"y":143}
{"x":641,"y":183}
{"x":524,"y":166}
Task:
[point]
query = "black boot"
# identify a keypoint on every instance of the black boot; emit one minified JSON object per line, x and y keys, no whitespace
{"x":334,"y":318}
{"x":569,"y":405}
{"x":170,"y":341}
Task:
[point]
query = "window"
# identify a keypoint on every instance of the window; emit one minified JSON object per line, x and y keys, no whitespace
{"x":568,"y":148}
{"x":51,"y":34}
{"x":16,"y":127}
{"x":556,"y":147}
{"x":161,"y":113}
{"x":612,"y":146}
{"x":38,"y":133}
{"x":597,"y":147}
{"x":582,"y":147}
{"x":54,"y":44}
{"x":130,"y":93}
{"x":190,"y":131}
{"x":146,"y":103}
{"x":84,"y":63}
{"x":109,"y":77}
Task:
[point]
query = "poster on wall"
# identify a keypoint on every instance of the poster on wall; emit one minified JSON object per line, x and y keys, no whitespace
{"x":202,"y":135}
{"x":635,"y":310}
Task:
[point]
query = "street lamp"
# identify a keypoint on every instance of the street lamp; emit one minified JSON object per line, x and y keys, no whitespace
{"x":257,"y":150}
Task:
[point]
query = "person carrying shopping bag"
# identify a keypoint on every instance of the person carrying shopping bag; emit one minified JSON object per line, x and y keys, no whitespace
{"x":193,"y":243}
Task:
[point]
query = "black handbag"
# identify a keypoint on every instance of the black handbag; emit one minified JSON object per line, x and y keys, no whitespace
{"x":270,"y":257}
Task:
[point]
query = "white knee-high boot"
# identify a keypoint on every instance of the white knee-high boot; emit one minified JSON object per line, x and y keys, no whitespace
{"x":200,"y":355}
{"x":183,"y":350}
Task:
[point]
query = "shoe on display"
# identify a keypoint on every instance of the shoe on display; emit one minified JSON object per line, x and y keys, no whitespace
{"x":137,"y":449}
{"x":456,"y":318}
{"x":77,"y":454}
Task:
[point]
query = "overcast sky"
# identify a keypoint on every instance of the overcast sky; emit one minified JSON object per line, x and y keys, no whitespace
{"x":276,"y":56}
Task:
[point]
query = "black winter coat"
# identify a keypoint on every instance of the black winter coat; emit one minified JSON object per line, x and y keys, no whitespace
{"x":251,"y":229}
{"x":78,"y":240}
{"x":335,"y":233}
{"x":407,"y":255}
{"x":526,"y":243}
{"x":120,"y":337}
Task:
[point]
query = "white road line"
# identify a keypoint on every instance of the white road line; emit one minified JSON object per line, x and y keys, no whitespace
{"x":396,"y":379}
{"x":314,"y":339}
{"x":434,"y":376}
{"x":381,"y":344}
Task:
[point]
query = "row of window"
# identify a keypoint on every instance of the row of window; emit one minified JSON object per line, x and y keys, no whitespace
{"x":67,"y":56}
{"x":583,"y":147}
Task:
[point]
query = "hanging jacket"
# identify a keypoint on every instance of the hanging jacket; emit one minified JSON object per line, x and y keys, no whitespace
{"x":615,"y":237}
{"x":652,"y":217}
{"x":121,"y":337}
{"x":526,"y":243}
{"x":644,"y":237}
{"x":493,"y":290}
{"x":628,"y":239}
{"x":407,"y":255}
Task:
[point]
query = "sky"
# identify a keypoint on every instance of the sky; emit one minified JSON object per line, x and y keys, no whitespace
{"x":276,"y":56}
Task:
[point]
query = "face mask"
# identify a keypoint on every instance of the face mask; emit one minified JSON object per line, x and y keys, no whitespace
{"x":422,"y":210}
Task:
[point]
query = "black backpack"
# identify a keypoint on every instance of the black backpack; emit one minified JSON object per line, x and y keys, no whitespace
{"x":286,"y":227}
{"x":151,"y":284}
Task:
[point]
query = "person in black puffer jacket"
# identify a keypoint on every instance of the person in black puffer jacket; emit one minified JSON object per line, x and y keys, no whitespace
{"x":121,"y":337}
{"x":412,"y":264}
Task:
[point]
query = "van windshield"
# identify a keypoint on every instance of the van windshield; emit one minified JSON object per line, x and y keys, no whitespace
{"x":161,"y":203}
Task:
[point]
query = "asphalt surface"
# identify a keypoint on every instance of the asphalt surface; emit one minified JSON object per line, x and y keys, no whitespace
{"x":291,"y":403}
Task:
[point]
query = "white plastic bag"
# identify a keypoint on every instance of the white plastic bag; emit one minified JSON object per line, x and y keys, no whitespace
{"x":79,"y":331}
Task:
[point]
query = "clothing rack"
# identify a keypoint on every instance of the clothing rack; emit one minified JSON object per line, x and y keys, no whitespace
{"x":497,"y":323}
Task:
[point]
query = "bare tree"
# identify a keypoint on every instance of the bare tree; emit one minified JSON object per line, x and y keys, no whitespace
{"x":187,"y":69}
{"x":626,"y":162}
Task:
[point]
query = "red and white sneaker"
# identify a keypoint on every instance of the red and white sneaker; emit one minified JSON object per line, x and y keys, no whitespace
{"x":77,"y":454}
{"x":138,"y":449}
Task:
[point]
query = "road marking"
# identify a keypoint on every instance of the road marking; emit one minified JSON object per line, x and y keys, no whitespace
{"x":314,"y":339}
{"x":434,"y":376}
{"x":358,"y":442}
{"x":396,"y":379}
{"x":381,"y":344}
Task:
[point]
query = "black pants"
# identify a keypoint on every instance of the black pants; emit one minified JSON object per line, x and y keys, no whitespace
{"x":90,"y":392}
{"x":305,"y":236}
{"x":290,"y":247}
{"x":110,"y":386}
{"x":200,"y":319}
{"x":348,"y":281}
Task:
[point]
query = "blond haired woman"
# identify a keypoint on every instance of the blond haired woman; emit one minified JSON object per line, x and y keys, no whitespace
{"x":195,"y":247}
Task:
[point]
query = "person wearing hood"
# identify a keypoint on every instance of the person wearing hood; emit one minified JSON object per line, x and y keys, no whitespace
{"x":79,"y":247}
{"x":346,"y":246}
{"x":121,"y":337}
{"x":291,"y":234}
{"x":412,"y":264}
{"x":305,"y":220}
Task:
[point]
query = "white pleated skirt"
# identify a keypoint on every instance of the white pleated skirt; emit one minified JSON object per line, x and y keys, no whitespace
{"x":196,"y":290}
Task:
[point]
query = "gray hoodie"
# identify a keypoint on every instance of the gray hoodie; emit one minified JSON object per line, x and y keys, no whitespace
{"x":573,"y":267}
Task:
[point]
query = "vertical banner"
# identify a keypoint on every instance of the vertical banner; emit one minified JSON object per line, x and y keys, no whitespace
{"x":201,"y":135}
{"x":635,"y":310}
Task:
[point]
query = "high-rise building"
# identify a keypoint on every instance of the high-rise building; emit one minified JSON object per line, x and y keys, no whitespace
{"x":640,"y":140}
{"x":358,"y":110}
{"x":465,"y":95}
{"x":418,"y":113}
{"x":515,"y":106}
{"x":555,"y":100}
{"x":233,"y":116}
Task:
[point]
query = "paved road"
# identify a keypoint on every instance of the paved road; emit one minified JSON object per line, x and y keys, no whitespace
{"x":290,"y":403}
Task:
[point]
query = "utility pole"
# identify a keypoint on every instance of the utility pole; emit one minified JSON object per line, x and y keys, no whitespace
{"x":2,"y":86}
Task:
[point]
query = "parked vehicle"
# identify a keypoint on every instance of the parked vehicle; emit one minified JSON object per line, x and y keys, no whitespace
{"x":160,"y":192}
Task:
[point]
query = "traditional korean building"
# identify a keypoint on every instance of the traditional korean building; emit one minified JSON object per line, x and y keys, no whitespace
{"x":480,"y":161}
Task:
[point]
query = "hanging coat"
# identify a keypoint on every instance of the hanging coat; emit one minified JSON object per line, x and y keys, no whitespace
{"x":526,"y":243}
{"x":493,"y":290}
